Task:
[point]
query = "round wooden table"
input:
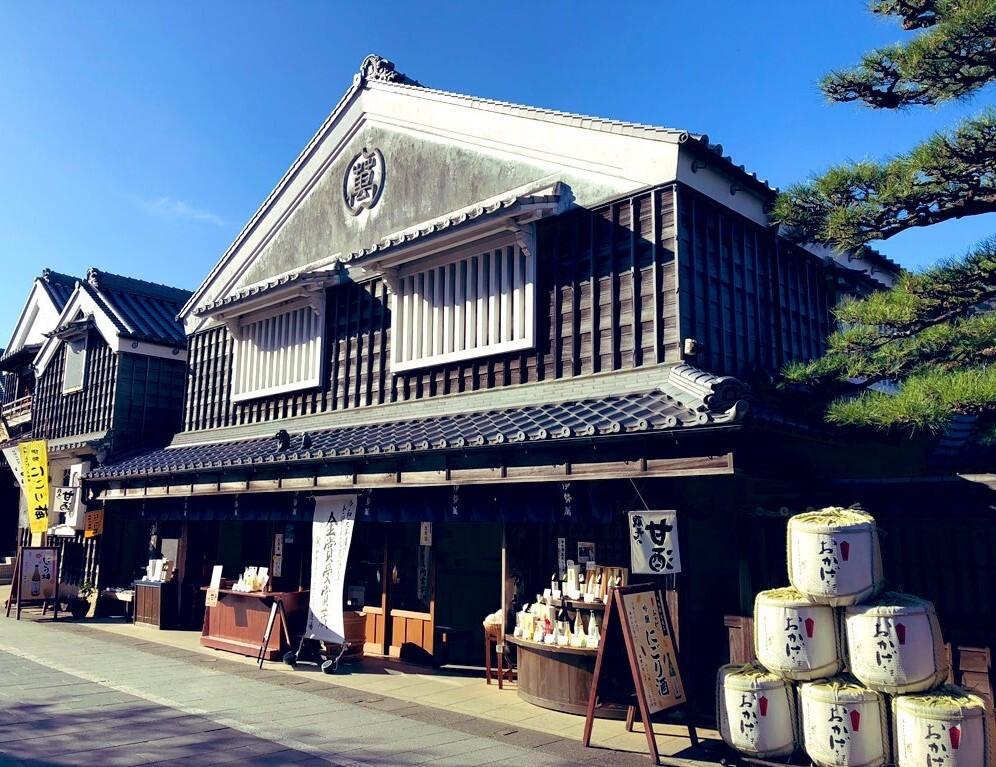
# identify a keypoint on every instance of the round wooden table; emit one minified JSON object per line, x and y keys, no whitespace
{"x":558,"y":678}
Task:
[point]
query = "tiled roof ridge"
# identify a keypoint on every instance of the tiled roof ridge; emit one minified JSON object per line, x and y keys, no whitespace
{"x":51,"y":276}
{"x":98,"y":278}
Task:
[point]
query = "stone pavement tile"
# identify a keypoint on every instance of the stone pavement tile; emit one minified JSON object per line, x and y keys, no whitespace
{"x":487,"y":755}
{"x":526,"y":738}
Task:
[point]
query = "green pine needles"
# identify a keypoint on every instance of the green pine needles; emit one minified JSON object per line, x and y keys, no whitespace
{"x":922,"y":351}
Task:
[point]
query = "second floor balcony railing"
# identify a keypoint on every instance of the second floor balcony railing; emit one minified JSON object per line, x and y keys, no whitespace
{"x":17,"y":412}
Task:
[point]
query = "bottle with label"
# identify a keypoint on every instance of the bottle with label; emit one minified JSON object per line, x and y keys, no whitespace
{"x":36,"y":583}
{"x":563,"y":623}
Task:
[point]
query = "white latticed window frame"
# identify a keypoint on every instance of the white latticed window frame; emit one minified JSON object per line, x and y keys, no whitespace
{"x":462,"y":306}
{"x":279,"y":350}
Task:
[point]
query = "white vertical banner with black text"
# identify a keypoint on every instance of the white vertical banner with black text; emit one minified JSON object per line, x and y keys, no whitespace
{"x":654,"y":543}
{"x":331,"y":535}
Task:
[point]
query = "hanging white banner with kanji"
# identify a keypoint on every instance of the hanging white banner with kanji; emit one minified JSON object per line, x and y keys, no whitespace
{"x":654,"y":543}
{"x":331,"y":535}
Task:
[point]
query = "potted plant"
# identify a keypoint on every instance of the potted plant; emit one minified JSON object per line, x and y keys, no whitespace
{"x":79,"y":605}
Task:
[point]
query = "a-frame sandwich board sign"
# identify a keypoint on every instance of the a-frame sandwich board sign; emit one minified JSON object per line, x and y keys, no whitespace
{"x":637,"y":664}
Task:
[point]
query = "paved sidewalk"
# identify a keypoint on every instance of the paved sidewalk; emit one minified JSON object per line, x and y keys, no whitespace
{"x":71,"y":694}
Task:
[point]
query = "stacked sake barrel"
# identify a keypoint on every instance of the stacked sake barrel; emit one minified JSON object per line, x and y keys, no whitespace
{"x":839,"y":661}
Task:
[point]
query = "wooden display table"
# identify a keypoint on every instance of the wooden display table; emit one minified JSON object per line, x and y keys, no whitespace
{"x":239,"y":620}
{"x":558,"y":678}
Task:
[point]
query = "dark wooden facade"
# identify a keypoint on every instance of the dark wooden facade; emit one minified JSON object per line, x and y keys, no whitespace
{"x":753,"y":300}
{"x":609,"y":297}
{"x":137,"y":396}
{"x":56,"y":415}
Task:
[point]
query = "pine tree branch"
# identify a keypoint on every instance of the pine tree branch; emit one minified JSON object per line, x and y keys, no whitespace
{"x":924,"y":401}
{"x":951,"y":175}
{"x":915,"y":14}
{"x":952,"y":60}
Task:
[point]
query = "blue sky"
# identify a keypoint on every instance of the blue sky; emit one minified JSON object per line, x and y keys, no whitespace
{"x":139,"y":137}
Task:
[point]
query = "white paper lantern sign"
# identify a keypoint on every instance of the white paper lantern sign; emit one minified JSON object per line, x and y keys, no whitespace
{"x":945,"y":728}
{"x":795,"y":638}
{"x":894,"y":644}
{"x":756,"y":711}
{"x":654,"y":543}
{"x":834,"y":556}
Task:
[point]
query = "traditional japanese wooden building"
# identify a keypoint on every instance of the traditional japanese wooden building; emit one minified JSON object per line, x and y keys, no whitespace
{"x":517,"y":324}
{"x":97,"y":368}
{"x":39,"y":316}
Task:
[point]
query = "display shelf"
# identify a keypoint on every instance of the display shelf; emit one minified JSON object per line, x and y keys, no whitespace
{"x":543,"y":647}
{"x":574,"y":604}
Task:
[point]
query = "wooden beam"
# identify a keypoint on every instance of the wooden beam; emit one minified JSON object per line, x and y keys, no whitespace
{"x":693,"y":466}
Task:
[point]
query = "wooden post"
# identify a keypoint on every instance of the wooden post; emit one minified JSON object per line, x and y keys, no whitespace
{"x":15,"y":585}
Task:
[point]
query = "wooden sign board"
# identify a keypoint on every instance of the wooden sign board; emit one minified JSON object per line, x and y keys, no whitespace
{"x":637,"y":665}
{"x":36,"y":579}
{"x":93,"y":523}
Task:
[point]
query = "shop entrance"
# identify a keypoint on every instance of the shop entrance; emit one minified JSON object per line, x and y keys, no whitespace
{"x":425,"y":588}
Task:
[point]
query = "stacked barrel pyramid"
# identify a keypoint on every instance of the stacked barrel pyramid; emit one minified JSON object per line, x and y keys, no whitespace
{"x":850,"y":674}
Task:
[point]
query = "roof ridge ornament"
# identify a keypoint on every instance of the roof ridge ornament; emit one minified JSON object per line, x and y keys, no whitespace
{"x":377,"y":68}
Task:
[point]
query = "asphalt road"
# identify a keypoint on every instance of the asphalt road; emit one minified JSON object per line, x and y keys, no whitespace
{"x":72,"y":695}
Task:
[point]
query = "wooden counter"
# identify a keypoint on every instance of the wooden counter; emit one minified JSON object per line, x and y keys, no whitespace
{"x":237,"y":623}
{"x":154,"y":603}
{"x":558,"y":678}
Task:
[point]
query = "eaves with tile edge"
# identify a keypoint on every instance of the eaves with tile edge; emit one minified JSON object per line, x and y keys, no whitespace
{"x":289,"y":197}
{"x":521,"y":395}
{"x":469,"y":224}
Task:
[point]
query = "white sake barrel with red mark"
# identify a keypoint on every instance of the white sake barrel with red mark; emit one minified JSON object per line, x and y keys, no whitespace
{"x":795,"y":638}
{"x":756,"y":711}
{"x":945,"y":728}
{"x":834,"y":556}
{"x":843,"y":724}
{"x":894,"y":644}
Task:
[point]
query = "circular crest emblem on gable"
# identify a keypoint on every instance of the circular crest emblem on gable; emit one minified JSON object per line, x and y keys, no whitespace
{"x":364,"y":181}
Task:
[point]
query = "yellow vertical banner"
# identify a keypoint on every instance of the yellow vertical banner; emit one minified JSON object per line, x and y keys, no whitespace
{"x":34,"y":465}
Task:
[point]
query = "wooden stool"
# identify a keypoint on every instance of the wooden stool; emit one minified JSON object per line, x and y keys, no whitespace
{"x":493,"y":636}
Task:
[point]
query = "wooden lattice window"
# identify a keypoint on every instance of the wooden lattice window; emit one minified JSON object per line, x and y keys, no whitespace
{"x":461,"y":306}
{"x":279,"y":350}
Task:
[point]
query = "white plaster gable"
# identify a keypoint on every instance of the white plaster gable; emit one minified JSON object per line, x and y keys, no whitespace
{"x":39,"y":316}
{"x":442,"y":151}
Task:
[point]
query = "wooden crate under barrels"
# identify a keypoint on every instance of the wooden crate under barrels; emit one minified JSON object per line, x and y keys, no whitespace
{"x":558,"y":678}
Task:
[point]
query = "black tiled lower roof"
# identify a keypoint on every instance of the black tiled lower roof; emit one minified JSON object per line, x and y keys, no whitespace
{"x":643,"y":412}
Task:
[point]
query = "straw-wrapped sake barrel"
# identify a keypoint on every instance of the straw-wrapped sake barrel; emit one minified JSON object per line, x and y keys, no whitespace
{"x":894,"y":644}
{"x":843,"y":724}
{"x":756,"y":711}
{"x":795,"y":638}
{"x":834,"y":556}
{"x":946,"y":727}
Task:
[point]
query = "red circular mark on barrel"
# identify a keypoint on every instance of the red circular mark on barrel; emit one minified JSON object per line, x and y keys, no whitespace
{"x":810,"y":625}
{"x":762,"y":704}
{"x":845,"y":550}
{"x":901,"y":633}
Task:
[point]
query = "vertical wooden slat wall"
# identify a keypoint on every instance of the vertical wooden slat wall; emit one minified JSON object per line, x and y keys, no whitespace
{"x":751,"y":300}
{"x":56,"y":415}
{"x":605,"y":300}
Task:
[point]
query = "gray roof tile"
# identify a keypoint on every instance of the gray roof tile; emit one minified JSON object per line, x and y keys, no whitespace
{"x":673,"y":406}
